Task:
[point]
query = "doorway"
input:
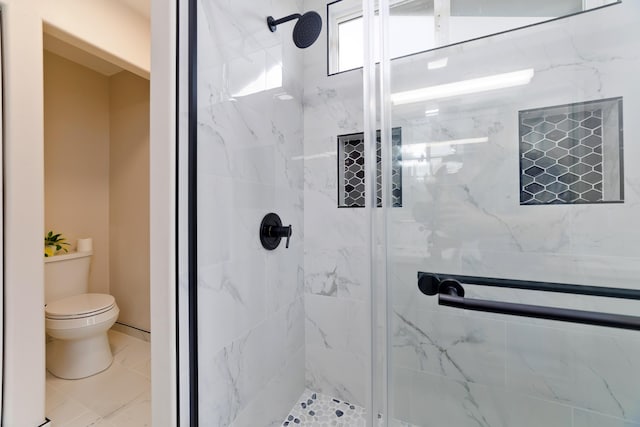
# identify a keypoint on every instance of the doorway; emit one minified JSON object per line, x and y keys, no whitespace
{"x":96,"y":117}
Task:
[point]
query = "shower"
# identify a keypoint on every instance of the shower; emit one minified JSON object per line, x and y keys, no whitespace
{"x":306,"y":30}
{"x":457,"y":186}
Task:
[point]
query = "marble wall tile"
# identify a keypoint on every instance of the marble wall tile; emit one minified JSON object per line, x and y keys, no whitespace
{"x":235,"y":377}
{"x":421,"y":399}
{"x":284,"y":285}
{"x":595,"y":370}
{"x":336,"y":373}
{"x":594,"y":270}
{"x":276,"y":397}
{"x":336,"y":272}
{"x":250,"y":148}
{"x":231,"y":301}
{"x":461,"y":215}
{"x":332,"y":227}
{"x":457,"y":346}
{"x":336,"y":323}
{"x":336,"y":254}
{"x":591,"y":419}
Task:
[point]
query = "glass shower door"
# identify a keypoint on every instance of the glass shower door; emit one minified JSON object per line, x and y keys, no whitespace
{"x":278,"y":273}
{"x":250,"y":307}
{"x":517,"y":162}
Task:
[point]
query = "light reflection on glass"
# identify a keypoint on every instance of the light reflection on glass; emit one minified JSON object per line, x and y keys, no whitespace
{"x":257,"y":72}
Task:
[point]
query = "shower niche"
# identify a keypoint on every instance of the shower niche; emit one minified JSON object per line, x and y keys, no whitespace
{"x":572,"y":154}
{"x":351,"y":170}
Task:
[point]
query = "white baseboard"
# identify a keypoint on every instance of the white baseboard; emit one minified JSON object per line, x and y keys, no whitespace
{"x":130,"y":330}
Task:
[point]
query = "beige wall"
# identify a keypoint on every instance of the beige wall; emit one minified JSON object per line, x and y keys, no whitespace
{"x":76,"y":150}
{"x":97,"y":176}
{"x":24,"y":388}
{"x":129,"y":198}
{"x":163,"y":195}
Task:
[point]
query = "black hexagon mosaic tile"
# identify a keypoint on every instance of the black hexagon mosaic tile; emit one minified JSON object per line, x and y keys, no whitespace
{"x":571,"y":153}
{"x":352,"y":172}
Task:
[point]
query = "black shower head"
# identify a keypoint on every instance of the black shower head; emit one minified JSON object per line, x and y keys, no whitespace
{"x":306,"y":31}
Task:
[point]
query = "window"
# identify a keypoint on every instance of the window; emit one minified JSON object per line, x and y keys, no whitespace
{"x":420,"y":25}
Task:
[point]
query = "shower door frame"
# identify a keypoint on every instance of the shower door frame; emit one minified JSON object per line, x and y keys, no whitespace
{"x":166,"y":89}
{"x":2,"y":222}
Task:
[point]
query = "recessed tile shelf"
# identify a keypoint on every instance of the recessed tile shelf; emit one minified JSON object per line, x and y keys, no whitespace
{"x":572,"y":154}
{"x":351,"y":171}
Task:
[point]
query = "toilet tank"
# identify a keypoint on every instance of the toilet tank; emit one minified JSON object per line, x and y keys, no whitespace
{"x":66,"y":275}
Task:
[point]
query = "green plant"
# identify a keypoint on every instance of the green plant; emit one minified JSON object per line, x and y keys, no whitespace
{"x":54,"y":243}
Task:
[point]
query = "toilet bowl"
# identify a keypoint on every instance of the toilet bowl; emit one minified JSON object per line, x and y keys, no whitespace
{"x":79,"y":326}
{"x":76,"y":321}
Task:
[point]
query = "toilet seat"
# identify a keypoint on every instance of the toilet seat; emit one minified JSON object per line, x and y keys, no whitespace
{"x":79,"y":306}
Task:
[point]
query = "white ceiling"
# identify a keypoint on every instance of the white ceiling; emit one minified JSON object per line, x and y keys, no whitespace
{"x":143,"y":7}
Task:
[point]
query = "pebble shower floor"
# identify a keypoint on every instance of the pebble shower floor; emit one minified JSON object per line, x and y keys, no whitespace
{"x":317,"y":410}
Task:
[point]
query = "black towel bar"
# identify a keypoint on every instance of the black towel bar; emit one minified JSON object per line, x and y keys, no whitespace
{"x":451,"y":294}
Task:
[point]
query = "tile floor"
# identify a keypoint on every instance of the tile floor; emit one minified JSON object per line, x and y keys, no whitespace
{"x":119,"y":396}
{"x":317,"y":410}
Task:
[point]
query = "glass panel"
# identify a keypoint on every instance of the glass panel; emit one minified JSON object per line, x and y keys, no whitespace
{"x":251,"y":340}
{"x":512,"y":144}
{"x":283,"y":334}
{"x":420,"y":25}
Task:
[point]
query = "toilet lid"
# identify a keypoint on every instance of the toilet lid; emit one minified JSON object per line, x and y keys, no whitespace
{"x":83,"y":305}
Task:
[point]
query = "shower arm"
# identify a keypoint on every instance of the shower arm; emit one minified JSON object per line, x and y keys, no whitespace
{"x":273,"y":23}
{"x":451,"y":294}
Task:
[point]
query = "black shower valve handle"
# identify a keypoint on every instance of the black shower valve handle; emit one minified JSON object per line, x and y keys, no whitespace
{"x":282,"y":232}
{"x":272,"y":231}
{"x":289,"y":236}
{"x":289,"y":232}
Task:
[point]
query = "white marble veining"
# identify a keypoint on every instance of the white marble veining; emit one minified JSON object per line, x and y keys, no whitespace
{"x":275,"y":399}
{"x":337,"y":372}
{"x":117,"y":397}
{"x":422,"y":399}
{"x":592,"y":370}
{"x":592,"y":419}
{"x":454,"y":345}
{"x":336,"y":272}
{"x":235,"y":377}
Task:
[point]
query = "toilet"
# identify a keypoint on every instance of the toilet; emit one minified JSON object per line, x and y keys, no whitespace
{"x":76,"y":321}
